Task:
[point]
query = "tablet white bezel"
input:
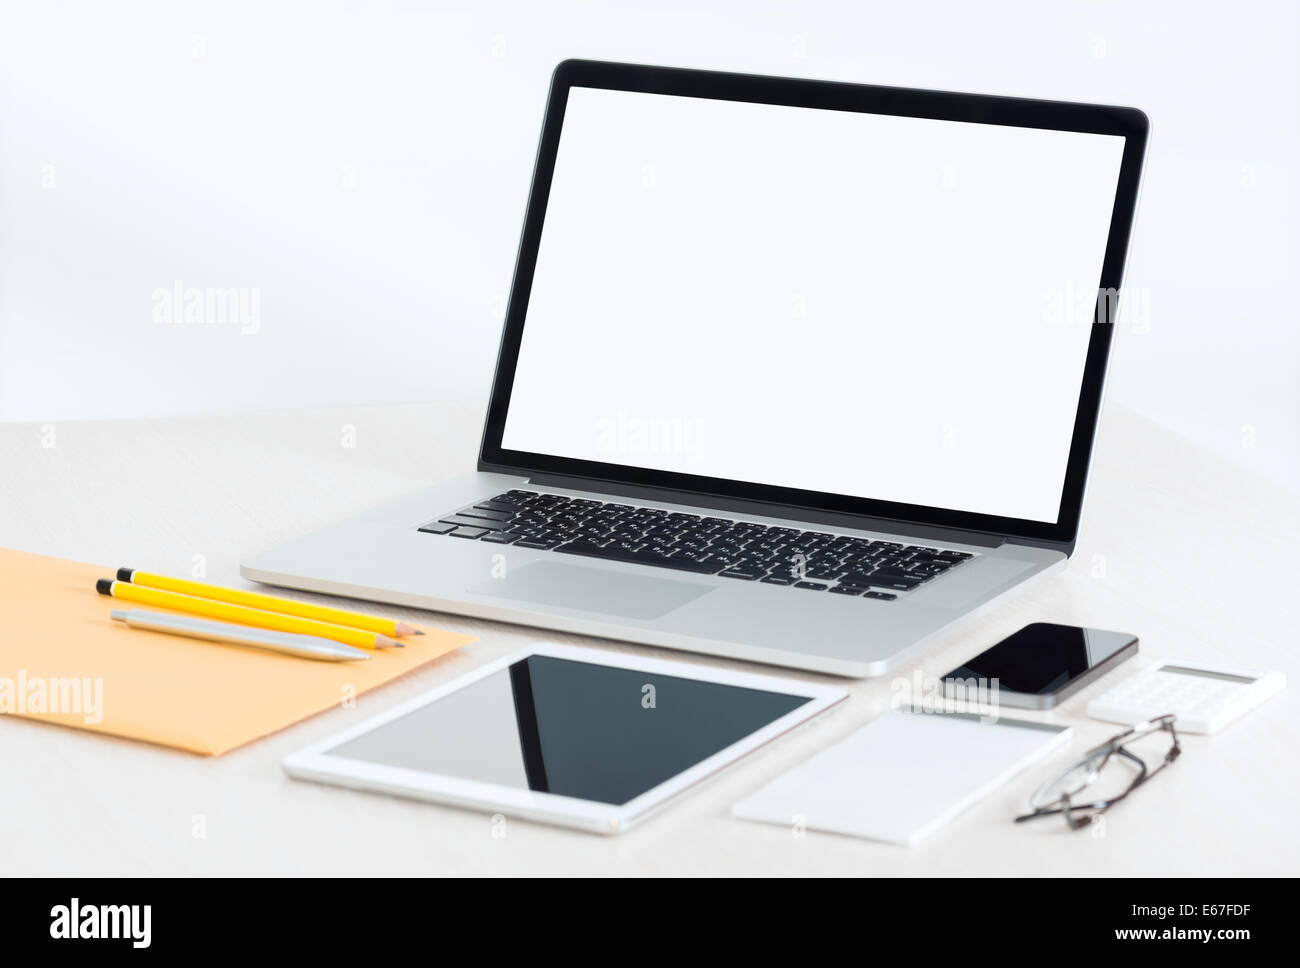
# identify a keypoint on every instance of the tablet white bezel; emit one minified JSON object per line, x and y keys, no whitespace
{"x":316,"y":763}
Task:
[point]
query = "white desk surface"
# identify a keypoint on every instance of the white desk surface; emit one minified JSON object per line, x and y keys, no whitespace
{"x":1196,"y":556}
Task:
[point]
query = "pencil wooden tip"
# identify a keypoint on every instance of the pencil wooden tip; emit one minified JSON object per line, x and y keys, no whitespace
{"x":405,"y":628}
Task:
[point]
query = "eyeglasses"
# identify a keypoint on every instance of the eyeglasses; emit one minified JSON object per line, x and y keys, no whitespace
{"x":1058,"y":795}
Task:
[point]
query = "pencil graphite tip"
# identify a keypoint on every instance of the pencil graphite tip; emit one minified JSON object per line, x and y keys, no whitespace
{"x":405,"y":628}
{"x":384,"y":642}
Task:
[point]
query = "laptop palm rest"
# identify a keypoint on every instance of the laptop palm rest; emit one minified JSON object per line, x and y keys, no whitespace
{"x":592,"y":590}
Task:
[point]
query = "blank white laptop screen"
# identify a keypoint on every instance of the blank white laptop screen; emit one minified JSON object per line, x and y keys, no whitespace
{"x":865,"y":305}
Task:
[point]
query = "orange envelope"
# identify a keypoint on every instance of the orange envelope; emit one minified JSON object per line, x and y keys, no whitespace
{"x":63,"y":660}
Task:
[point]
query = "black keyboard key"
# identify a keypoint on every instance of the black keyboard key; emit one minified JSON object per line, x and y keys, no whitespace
{"x":777,"y":579}
{"x":896,"y":584}
{"x":722,"y":562}
{"x":690,"y":555}
{"x":814,"y":585}
{"x":485,"y":515}
{"x":548,"y":502}
{"x":881,"y":596}
{"x":892,"y":571}
{"x":515,"y":499}
{"x":542,"y":544}
{"x":725,"y":551}
{"x":932,"y":560}
{"x":470,"y":533}
{"x":623,"y":544}
{"x":613,"y":553}
{"x":460,"y":519}
{"x":501,"y":537}
{"x":437,"y":527}
{"x":495,"y":505}
{"x":625,"y":535}
{"x":846,"y":590}
{"x":739,"y":573}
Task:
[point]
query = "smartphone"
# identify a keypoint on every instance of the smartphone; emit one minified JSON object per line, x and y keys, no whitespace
{"x":1042,"y":664}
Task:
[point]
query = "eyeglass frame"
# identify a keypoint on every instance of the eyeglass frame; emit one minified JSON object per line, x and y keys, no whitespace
{"x":1114,"y":745}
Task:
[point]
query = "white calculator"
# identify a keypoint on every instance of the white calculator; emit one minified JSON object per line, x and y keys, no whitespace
{"x":1205,"y":698}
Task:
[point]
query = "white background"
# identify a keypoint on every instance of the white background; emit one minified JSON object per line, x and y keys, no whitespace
{"x":366,"y":165}
{"x":829,"y":301}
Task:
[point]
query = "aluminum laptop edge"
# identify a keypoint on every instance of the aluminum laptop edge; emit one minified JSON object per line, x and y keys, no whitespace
{"x":793,"y":372}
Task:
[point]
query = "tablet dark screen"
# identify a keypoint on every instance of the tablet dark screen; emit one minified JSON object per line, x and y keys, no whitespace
{"x":571,"y":728}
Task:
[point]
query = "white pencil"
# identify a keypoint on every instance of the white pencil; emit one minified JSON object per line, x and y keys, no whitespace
{"x":303,"y":646}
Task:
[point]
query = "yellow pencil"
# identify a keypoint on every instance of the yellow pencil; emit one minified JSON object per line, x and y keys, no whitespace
{"x":238,"y":613}
{"x":268,"y":603}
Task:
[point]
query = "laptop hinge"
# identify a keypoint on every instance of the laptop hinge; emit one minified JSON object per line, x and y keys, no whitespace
{"x":712,"y":502}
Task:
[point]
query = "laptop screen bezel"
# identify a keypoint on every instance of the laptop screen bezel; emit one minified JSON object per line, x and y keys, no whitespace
{"x":1129,"y":123}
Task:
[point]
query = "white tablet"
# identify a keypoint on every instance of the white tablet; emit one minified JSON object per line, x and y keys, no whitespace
{"x":566,"y":735}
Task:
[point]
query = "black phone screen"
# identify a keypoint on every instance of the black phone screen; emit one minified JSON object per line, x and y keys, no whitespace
{"x":1041,"y":658}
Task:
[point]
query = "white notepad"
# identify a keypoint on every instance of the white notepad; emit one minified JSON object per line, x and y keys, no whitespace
{"x":902,"y":776}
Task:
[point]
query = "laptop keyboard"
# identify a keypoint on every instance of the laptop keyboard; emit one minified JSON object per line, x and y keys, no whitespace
{"x":810,"y":560}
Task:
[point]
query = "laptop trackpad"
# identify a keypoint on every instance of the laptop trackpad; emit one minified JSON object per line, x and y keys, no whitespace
{"x":593,"y":590}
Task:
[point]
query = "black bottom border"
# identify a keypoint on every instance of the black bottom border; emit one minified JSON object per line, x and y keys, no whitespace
{"x":333,"y":917}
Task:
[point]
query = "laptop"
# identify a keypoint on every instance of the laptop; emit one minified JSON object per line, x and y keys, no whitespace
{"x":792,"y":372}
